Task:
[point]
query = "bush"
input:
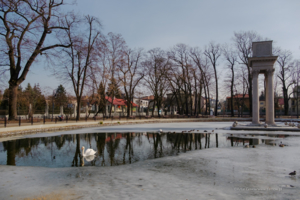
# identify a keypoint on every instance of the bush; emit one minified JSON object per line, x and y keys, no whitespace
{"x":101,"y":122}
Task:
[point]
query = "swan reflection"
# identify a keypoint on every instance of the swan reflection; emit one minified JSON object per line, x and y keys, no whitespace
{"x":87,"y":158}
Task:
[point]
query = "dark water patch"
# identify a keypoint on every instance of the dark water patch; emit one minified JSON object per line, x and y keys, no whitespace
{"x":112,"y":148}
{"x":257,"y":139}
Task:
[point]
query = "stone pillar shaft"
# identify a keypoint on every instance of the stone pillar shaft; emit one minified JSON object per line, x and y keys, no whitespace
{"x":61,"y":110}
{"x":266,"y":96}
{"x":255,"y":99}
{"x":270,"y":99}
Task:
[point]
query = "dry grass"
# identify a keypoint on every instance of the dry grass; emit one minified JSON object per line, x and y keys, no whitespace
{"x":54,"y":196}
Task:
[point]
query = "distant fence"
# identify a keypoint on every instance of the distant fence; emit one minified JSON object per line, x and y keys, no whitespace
{"x":19,"y":121}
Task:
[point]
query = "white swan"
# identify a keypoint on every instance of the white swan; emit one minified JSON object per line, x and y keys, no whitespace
{"x":89,"y":158}
{"x":88,"y":152}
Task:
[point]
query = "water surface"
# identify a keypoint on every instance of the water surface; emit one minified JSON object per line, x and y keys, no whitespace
{"x":117,"y":148}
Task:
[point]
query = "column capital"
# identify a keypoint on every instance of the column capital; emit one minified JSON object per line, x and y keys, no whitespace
{"x":255,"y":73}
{"x":270,"y":72}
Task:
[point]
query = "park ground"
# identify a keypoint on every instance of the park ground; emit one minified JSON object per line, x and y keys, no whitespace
{"x":216,"y":173}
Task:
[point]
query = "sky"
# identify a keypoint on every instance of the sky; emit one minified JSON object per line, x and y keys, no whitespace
{"x":165,"y":23}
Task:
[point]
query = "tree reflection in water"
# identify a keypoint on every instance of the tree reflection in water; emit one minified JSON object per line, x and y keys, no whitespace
{"x":77,"y":160}
{"x":112,"y":148}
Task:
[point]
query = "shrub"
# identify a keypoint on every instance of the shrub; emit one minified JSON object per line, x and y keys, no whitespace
{"x":101,"y":122}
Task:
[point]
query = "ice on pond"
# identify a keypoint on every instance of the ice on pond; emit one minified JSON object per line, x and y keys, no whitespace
{"x":121,"y":148}
{"x":227,"y":172}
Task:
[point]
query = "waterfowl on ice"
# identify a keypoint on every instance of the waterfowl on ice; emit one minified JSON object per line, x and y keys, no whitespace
{"x":292,"y":173}
{"x":281,"y":145}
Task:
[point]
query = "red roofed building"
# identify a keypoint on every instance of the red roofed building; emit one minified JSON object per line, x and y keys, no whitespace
{"x":119,"y":105}
{"x":119,"y":102}
{"x":239,"y":100}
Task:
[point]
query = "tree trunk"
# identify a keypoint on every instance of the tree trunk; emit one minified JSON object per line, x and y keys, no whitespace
{"x":158,"y":108}
{"x":205,"y":93}
{"x":177,"y":103}
{"x":250,"y":92}
{"x":111,"y":105}
{"x":12,"y":102}
{"x":208,"y":99}
{"x":199,"y":101}
{"x":286,"y":100}
{"x":186,"y":104}
{"x":231,"y":91}
{"x":196,"y":103}
{"x":128,"y":109}
{"x":217,"y":93}
{"x":78,"y":108}
{"x":153,"y":107}
{"x":11,"y":153}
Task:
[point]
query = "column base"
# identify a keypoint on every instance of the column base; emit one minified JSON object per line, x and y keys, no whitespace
{"x":271,"y":123}
{"x":255,"y":124}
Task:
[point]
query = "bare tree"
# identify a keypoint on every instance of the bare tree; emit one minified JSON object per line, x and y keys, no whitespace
{"x":78,"y":60}
{"x":130,"y":74}
{"x":182,"y":61}
{"x":26,"y":28}
{"x":213,"y":52}
{"x":114,"y":55}
{"x":243,"y":43}
{"x":285,"y":74}
{"x":241,"y":87}
{"x":296,"y":77}
{"x":101,"y":73}
{"x":156,"y":67}
{"x":231,"y":59}
{"x":202,"y":64}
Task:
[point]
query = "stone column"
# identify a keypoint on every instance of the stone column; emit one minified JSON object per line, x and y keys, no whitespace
{"x":61,"y":110}
{"x":270,"y":99}
{"x":255,"y":98}
{"x":266,"y":97}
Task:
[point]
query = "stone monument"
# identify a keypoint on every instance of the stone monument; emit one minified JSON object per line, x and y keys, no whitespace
{"x":262,"y":62}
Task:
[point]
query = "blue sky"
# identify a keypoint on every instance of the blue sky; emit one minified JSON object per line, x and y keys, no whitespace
{"x":165,"y":23}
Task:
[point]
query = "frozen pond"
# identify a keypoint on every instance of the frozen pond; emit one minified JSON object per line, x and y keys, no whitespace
{"x":148,"y":165}
{"x":112,"y":148}
{"x":123,"y":148}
